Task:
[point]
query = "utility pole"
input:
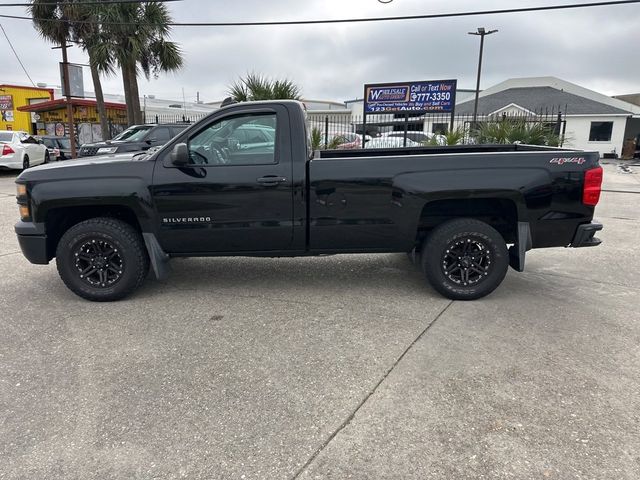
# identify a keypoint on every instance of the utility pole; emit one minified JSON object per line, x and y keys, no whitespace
{"x":482,"y":33}
{"x":66,"y":87}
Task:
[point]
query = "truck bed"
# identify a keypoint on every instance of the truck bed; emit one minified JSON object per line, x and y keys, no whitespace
{"x":435,"y":150}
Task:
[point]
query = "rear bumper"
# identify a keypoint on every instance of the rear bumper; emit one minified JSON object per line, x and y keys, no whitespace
{"x":584,"y":236}
{"x":10,"y":162}
{"x":33,"y":242}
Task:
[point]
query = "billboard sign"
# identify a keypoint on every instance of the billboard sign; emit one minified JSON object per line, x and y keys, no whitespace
{"x":76,"y":81}
{"x":433,"y":96}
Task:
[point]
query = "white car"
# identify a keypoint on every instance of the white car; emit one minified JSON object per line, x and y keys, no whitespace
{"x":420,"y":137}
{"x":20,"y":150}
{"x":390,"y":142}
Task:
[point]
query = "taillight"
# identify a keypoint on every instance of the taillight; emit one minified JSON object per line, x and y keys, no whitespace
{"x":6,"y":149}
{"x":592,"y":186}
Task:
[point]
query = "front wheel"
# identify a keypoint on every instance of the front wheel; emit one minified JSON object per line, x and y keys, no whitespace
{"x":465,"y":259}
{"x":25,"y":162}
{"x":46,"y":157}
{"x":102,"y":259}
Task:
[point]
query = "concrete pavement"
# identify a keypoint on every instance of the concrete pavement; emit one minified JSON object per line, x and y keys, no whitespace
{"x":332,"y":367}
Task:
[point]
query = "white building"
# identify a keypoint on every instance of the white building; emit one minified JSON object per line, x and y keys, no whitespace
{"x":593,"y":121}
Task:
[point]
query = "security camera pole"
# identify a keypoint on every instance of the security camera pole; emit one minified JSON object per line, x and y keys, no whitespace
{"x":482,"y":33}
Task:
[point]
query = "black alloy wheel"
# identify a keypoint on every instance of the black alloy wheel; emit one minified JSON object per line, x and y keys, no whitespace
{"x":465,"y":259}
{"x":102,"y":259}
{"x":25,"y":162}
{"x":99,"y":263}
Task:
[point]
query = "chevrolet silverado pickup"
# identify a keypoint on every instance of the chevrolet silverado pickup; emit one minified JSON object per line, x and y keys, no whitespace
{"x":244,"y":181}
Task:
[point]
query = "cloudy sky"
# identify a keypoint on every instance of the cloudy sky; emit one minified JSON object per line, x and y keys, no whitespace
{"x":596,"y":47}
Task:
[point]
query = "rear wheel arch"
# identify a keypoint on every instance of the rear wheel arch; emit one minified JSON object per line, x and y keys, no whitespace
{"x":501,"y":213}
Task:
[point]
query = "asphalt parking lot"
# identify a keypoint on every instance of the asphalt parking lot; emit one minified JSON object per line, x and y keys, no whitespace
{"x":332,"y":367}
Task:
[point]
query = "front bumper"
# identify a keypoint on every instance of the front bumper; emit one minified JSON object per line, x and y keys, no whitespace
{"x":33,"y":242}
{"x":584,"y":236}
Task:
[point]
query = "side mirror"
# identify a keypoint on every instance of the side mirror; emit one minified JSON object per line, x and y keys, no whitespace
{"x":179,"y":155}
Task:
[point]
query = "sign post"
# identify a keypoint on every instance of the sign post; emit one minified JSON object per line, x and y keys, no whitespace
{"x":432,"y":96}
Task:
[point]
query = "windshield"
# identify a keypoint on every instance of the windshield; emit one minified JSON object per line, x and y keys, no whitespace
{"x":65,"y":143}
{"x":5,"y":136}
{"x":133,"y":134}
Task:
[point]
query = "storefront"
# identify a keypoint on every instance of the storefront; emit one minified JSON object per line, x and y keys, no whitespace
{"x":13,"y":98}
{"x":52,"y":118}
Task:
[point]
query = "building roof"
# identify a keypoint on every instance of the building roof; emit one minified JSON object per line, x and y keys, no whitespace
{"x":49,"y":91}
{"x":62,"y":103}
{"x":539,"y":99}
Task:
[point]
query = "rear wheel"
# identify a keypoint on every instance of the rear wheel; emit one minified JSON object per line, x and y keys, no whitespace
{"x":25,"y":162}
{"x":465,"y":259}
{"x":102,"y":259}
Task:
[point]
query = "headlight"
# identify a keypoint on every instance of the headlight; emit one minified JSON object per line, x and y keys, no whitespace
{"x":23,"y":201}
{"x":108,"y":150}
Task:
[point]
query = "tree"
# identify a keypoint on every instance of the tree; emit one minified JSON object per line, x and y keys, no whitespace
{"x":512,"y":130}
{"x":66,"y":25}
{"x":258,"y":87}
{"x":135,"y":36}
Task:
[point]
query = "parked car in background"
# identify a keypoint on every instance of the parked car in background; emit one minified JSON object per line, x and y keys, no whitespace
{"x":345,"y":141}
{"x":20,"y":150}
{"x":59,"y":147}
{"x":419,"y":137}
{"x":134,"y":139}
{"x":390,"y":142}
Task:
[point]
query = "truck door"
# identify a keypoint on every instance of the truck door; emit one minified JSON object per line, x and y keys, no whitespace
{"x":233,"y":196}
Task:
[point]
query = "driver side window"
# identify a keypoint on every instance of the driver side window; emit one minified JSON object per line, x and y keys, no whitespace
{"x":240,"y":140}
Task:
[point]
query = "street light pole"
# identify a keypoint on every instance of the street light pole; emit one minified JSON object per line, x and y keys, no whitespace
{"x":482,"y":32}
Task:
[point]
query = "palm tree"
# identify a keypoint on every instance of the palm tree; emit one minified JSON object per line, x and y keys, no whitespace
{"x":67,"y":24}
{"x":258,"y":87}
{"x":135,"y":36}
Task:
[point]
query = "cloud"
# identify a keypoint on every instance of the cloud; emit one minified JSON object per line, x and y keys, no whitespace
{"x":592,"y":47}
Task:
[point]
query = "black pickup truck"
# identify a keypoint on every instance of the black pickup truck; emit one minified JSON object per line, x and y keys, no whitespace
{"x":466,"y":212}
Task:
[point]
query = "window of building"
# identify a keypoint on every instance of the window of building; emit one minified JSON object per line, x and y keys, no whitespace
{"x":600,"y":131}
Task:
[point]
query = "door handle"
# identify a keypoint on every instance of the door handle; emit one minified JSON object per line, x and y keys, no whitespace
{"x":271,"y":180}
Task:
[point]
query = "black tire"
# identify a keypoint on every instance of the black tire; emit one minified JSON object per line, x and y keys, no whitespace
{"x":46,"y":157}
{"x":111,"y":255}
{"x":25,"y":162}
{"x":481,"y":251}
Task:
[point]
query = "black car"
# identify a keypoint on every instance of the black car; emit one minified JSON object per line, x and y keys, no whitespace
{"x":59,"y":147}
{"x":134,"y":139}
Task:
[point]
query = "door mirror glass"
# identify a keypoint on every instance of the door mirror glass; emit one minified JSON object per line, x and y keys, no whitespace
{"x":179,"y":155}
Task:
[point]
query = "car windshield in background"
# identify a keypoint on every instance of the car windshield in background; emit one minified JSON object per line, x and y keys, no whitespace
{"x":133,"y":134}
{"x":5,"y":137}
{"x":65,"y":143}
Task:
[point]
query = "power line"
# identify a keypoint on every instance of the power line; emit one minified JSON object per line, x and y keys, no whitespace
{"x":65,"y":3}
{"x":16,"y":54}
{"x":352,"y":20}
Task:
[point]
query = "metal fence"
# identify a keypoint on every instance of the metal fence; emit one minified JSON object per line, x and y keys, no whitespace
{"x":331,"y":125}
{"x":328,"y":126}
{"x":173,"y":118}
